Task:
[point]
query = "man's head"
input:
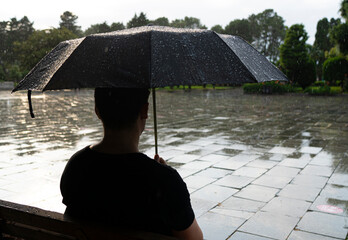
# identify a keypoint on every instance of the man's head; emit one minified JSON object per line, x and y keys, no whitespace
{"x":119,"y":108}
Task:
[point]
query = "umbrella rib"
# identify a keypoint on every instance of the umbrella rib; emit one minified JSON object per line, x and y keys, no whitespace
{"x":238,"y":59}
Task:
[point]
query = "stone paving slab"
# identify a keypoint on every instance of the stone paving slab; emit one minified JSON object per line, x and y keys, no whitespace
{"x":196,"y":182}
{"x":252,"y":172}
{"x":281,"y":171}
{"x":270,"y":225}
{"x":231,"y":164}
{"x":241,"y":204}
{"x":262,"y":164}
{"x":255,"y":171}
{"x":282,"y":150}
{"x":335,"y":191}
{"x":214,"y":173}
{"x":201,"y":206}
{"x":300,"y":235}
{"x":324,"y":224}
{"x":214,"y":193}
{"x":294,"y":162}
{"x":339,"y":179}
{"x":300,"y":192}
{"x":246,"y":236}
{"x":317,"y":170}
{"x":257,"y":193}
{"x":310,"y":180}
{"x":234,"y":181}
{"x":272,"y":181}
{"x":333,"y":206}
{"x":287,"y":206}
{"x":233,"y":213}
{"x":216,"y":226}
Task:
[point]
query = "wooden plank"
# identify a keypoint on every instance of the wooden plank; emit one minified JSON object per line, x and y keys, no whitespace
{"x":35,"y":223}
{"x":36,"y":217}
{"x":28,"y":233}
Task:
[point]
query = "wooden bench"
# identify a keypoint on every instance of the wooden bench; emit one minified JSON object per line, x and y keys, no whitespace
{"x":19,"y":222}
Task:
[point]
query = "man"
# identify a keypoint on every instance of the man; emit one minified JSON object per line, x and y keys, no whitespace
{"x":113,"y":184}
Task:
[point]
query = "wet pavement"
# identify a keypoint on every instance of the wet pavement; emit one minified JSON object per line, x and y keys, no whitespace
{"x":257,"y":167}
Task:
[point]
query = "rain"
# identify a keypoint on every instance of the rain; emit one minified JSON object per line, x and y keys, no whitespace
{"x":257,"y":132}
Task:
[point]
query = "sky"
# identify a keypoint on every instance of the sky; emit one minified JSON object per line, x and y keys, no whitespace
{"x":46,"y":14}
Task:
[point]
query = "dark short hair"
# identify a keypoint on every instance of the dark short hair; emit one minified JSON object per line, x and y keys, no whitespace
{"x":119,"y":107}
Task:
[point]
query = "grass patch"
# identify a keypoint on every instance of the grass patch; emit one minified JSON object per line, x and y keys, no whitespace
{"x":272,"y":87}
{"x":323,"y":90}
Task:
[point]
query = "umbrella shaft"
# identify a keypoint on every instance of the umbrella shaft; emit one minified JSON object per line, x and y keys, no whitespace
{"x":154,"y":118}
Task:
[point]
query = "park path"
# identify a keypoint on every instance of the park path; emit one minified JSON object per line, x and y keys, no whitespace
{"x":257,"y":167}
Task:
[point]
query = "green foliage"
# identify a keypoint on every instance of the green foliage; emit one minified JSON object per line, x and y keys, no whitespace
{"x":162,"y":21}
{"x":335,"y":69}
{"x":38,"y":45}
{"x":323,"y":43}
{"x":252,"y":88}
{"x":68,"y":21}
{"x":306,"y":74}
{"x":97,"y":28}
{"x":272,"y":87}
{"x":322,"y":37}
{"x":265,"y":31}
{"x":117,"y":26}
{"x":339,"y":35}
{"x":2,"y":74}
{"x":344,"y":9}
{"x":323,"y":90}
{"x":188,"y":22}
{"x":269,"y":32}
{"x":345,"y":86}
{"x":218,"y":29}
{"x":103,"y":28}
{"x":294,"y":57}
{"x":319,"y":84}
{"x":14,"y":73}
{"x":11,"y":31}
{"x":240,"y":27}
{"x":138,"y":21}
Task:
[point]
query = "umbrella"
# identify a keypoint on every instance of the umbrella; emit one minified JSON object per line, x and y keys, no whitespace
{"x":149,"y":57}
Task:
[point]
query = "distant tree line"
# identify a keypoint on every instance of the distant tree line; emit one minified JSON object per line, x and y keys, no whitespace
{"x":22,"y":46}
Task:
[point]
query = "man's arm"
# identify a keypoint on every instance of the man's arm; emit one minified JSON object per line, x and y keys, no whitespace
{"x":193,"y":232}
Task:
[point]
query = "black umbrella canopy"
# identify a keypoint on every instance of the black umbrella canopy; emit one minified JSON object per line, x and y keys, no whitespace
{"x":149,"y":57}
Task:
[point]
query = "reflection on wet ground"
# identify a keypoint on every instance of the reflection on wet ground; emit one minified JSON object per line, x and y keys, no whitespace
{"x":257,"y":167}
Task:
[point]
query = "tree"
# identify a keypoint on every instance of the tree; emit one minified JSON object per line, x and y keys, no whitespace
{"x":294,"y":57}
{"x":188,"y":22}
{"x":322,"y":44}
{"x":138,"y":21}
{"x":117,"y":26}
{"x":240,"y":27}
{"x":268,"y":32}
{"x":344,"y":9}
{"x":68,"y":21}
{"x":339,"y":35}
{"x":162,"y":21}
{"x":103,"y":28}
{"x":322,"y":37}
{"x":98,"y":28}
{"x":31,"y":51}
{"x":11,"y":31}
{"x":335,"y":69}
{"x":218,"y":29}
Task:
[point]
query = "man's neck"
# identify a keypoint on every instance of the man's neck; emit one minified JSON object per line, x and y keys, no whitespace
{"x":118,"y":142}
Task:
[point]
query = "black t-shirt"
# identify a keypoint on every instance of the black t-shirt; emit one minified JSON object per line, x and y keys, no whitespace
{"x":126,"y":190}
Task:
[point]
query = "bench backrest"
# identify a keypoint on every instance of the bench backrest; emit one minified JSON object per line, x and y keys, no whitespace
{"x":24,"y":222}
